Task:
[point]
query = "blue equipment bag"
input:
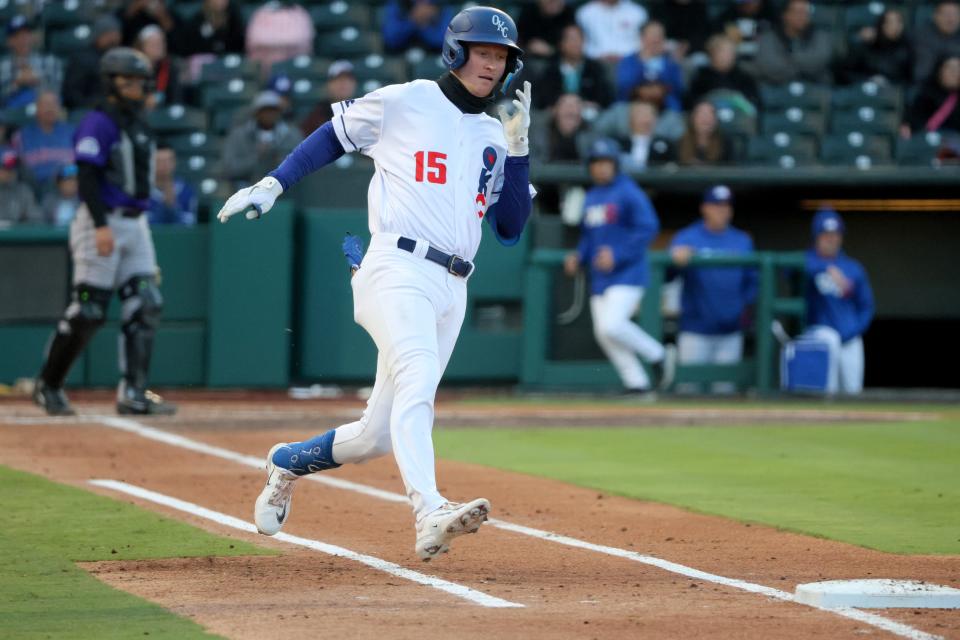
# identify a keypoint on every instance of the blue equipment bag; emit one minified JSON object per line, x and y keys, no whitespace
{"x":804,"y":364}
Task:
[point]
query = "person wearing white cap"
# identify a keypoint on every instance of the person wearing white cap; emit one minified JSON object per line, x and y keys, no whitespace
{"x":260,"y":143}
{"x":839,"y":301}
{"x":713,"y":299}
{"x":341,"y":85}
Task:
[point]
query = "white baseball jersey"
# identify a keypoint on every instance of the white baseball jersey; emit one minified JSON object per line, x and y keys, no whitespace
{"x":438,"y":170}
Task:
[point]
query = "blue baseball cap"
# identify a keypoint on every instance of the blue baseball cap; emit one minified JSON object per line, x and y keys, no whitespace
{"x":826,"y":220}
{"x":280,"y":84}
{"x":67,"y":171}
{"x":718,"y":194}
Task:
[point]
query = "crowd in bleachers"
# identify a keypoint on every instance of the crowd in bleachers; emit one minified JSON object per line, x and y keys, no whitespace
{"x":240,"y":82}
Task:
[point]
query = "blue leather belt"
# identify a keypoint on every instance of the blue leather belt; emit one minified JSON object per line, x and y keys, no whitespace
{"x":454,"y":264}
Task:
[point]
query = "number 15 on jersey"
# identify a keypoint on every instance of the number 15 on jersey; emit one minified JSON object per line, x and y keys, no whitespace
{"x":435,"y":170}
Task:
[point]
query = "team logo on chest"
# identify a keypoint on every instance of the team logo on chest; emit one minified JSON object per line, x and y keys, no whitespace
{"x":489,"y":160}
{"x":599,"y":215}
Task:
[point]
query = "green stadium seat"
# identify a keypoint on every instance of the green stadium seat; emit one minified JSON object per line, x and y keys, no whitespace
{"x":225,"y":119}
{"x":68,"y":13}
{"x":430,"y":67}
{"x":856,"y":149}
{"x":348,"y":42}
{"x":804,"y":95}
{"x":920,"y":150}
{"x":19,"y":116}
{"x":306,"y":94}
{"x":782,"y":149}
{"x":232,"y":94}
{"x":866,"y":120}
{"x":793,"y":120}
{"x":185,"y":10}
{"x":736,"y":122}
{"x":383,"y":69}
{"x":177,"y":118}
{"x":195,"y":169}
{"x":866,"y":14}
{"x":64,"y":42}
{"x":340,"y":14}
{"x":826,"y":17}
{"x":228,"y":67}
{"x":196,"y":143}
{"x":867,"y":94}
{"x":305,"y":67}
{"x":9,"y":8}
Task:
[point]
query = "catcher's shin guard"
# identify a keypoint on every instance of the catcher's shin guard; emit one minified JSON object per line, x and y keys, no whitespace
{"x":142,"y":304}
{"x":85,"y":314}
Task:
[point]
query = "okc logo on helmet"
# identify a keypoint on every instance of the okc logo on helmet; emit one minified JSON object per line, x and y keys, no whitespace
{"x":500,"y":25}
{"x":489,"y":160}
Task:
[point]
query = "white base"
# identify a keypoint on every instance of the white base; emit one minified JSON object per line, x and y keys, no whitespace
{"x":878,"y":594}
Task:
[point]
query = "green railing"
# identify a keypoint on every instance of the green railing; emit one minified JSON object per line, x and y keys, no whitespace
{"x":758,"y":371}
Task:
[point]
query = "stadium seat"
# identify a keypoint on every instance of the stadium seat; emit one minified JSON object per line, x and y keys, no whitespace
{"x":302,"y":67}
{"x":59,"y":15}
{"x":64,"y":42}
{"x":226,"y":119}
{"x":196,"y":143}
{"x":383,"y":69}
{"x":919,"y":151}
{"x":868,"y":94}
{"x":194,"y":169}
{"x":348,"y":42}
{"x":865,"y":119}
{"x":234,"y":93}
{"x":340,"y":14}
{"x":804,"y":95}
{"x":306,"y":94}
{"x":430,"y":67}
{"x":866,"y":14}
{"x":855,"y":148}
{"x":736,"y":122}
{"x":826,"y":17}
{"x":782,"y":149}
{"x":227,"y":68}
{"x":186,"y":10}
{"x":794,"y":121}
{"x":19,"y":116}
{"x":177,"y":118}
{"x":10,"y":8}
{"x":923,"y":14}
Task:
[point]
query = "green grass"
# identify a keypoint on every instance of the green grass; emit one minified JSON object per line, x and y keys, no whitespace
{"x":893,"y":487}
{"x":47,"y":527}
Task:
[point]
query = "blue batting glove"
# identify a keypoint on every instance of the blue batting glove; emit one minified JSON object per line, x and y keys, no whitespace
{"x":352,"y":251}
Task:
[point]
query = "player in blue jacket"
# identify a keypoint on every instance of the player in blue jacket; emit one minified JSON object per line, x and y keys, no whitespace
{"x":839,"y":302}
{"x":619,"y":223}
{"x":713,"y":299}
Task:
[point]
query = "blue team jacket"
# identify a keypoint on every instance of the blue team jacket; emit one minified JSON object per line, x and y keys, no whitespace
{"x":850,"y":311}
{"x":714,"y":298}
{"x":618,"y":215}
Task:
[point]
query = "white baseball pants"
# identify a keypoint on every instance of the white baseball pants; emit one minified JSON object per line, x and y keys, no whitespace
{"x":845,"y":372}
{"x":413,"y":309}
{"x":620,"y":338}
{"x":699,"y":348}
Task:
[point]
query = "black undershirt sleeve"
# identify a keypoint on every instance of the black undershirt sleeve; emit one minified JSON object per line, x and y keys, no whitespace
{"x":88,"y":178}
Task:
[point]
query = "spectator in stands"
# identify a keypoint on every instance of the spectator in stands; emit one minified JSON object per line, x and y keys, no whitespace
{"x":935,"y":106}
{"x":572,"y":72}
{"x":415,"y":23}
{"x":17,"y":204}
{"x":167,"y":89}
{"x":258,"y":145}
{"x":882,"y":53}
{"x":839,"y":302}
{"x":23,"y":71}
{"x":714,"y":298}
{"x":646,"y":148}
{"x":82,"y":84}
{"x":611,"y":28}
{"x":651,"y":74}
{"x":341,"y":85}
{"x":723,"y":75}
{"x":619,"y":223}
{"x":142,"y":13}
{"x":937,"y":38}
{"x":743,"y":21}
{"x":46,"y":144}
{"x":703,"y":143}
{"x":542,"y":25}
{"x":563,"y":139}
{"x":686,"y":25}
{"x":60,"y":205}
{"x":216,"y":28}
{"x":172,"y":200}
{"x":794,"y":49}
{"x":615,"y":122}
{"x":282,"y":85}
{"x":278,"y":31}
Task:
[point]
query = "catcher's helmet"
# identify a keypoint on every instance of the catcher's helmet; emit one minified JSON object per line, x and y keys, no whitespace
{"x":485,"y":25}
{"x":124,"y":61}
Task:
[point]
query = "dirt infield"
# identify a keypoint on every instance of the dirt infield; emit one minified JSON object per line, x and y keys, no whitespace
{"x":566,"y":592}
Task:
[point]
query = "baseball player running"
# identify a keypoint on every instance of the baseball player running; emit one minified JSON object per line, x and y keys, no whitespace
{"x":442,"y":166}
{"x":110,"y":241}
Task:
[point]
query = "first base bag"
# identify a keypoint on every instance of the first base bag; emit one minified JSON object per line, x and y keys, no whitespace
{"x":803,"y":366}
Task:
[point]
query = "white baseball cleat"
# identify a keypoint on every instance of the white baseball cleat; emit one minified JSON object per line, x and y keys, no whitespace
{"x":438,"y":528}
{"x":273,"y":503}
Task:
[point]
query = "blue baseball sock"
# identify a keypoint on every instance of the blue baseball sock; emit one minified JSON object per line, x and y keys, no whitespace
{"x":309,"y":456}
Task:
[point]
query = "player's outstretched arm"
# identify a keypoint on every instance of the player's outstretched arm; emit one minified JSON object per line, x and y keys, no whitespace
{"x":253,"y":201}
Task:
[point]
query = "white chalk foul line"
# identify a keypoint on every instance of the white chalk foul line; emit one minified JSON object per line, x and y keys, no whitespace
{"x":896,"y":628}
{"x":459,"y":590}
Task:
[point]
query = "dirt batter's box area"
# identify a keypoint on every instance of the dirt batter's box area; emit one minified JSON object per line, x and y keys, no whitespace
{"x":556,"y":561}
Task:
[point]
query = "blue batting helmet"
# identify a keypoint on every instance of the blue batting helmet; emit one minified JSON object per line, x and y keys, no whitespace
{"x":604,"y":149}
{"x":485,"y":25}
